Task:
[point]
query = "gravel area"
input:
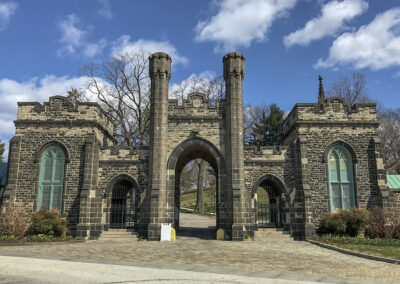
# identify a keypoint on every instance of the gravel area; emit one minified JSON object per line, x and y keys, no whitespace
{"x":272,"y":255}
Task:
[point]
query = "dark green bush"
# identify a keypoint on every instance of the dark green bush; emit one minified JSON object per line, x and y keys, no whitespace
{"x":351,"y":222}
{"x":48,"y":223}
{"x":356,"y":220}
{"x":332,"y":224}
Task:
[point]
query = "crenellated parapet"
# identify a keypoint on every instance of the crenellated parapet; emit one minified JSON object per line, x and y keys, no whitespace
{"x":265,"y":154}
{"x":123,"y":154}
{"x":334,"y":111}
{"x":234,"y":64}
{"x":59,"y":112}
{"x":160,"y":65}
{"x":196,"y":106}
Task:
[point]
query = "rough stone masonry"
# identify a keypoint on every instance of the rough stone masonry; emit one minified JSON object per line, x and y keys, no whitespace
{"x":96,"y":172}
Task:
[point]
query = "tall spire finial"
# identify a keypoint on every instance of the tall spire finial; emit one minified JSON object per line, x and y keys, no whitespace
{"x":321,"y":93}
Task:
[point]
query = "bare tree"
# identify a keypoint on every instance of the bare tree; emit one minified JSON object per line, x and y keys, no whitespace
{"x":389,"y":132}
{"x":74,"y":96}
{"x":214,"y":89}
{"x":249,"y":120}
{"x":122,"y":87}
{"x":352,"y":90}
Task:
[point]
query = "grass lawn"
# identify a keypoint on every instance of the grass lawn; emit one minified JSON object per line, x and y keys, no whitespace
{"x":188,"y":200}
{"x":389,"y":248}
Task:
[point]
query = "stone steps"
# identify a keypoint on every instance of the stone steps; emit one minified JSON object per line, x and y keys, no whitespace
{"x":118,"y":235}
{"x":271,"y":233}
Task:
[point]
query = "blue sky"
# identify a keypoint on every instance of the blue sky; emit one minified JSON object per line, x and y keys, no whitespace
{"x":287,"y":44}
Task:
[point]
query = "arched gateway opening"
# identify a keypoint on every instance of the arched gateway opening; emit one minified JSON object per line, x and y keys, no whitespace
{"x":192,"y":149}
{"x":122,"y":202}
{"x":270,"y":203}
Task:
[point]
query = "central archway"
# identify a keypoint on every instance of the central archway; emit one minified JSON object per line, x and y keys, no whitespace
{"x":191,"y":149}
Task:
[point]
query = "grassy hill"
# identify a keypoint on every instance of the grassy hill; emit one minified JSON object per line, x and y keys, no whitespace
{"x":188,"y":199}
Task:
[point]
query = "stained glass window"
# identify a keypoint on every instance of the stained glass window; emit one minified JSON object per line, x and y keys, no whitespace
{"x":51,"y":178}
{"x":341,"y":183}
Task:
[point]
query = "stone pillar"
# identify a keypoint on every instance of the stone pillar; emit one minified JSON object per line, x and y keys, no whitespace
{"x":90,"y":211}
{"x":380,"y":168}
{"x":12,"y":171}
{"x":304,"y":173}
{"x":160,"y":73}
{"x":237,"y":199}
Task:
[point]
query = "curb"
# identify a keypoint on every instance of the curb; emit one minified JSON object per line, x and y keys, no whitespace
{"x":40,"y":243}
{"x":345,"y":251}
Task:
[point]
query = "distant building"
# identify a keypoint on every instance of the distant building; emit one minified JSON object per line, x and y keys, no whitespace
{"x":331,"y":158}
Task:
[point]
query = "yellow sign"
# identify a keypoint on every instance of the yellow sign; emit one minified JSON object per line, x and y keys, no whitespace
{"x":220,"y":235}
{"x":173,"y":234}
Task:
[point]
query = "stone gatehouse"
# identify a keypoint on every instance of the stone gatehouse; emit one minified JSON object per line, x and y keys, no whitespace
{"x":63,"y":156}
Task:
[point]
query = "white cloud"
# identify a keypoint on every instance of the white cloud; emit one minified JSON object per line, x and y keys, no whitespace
{"x":74,"y":39}
{"x":36,"y":90}
{"x":334,"y":15}
{"x":105,"y":10}
{"x":5,"y":140}
{"x":375,"y":46}
{"x":239,"y":22}
{"x":7,"y":9}
{"x":124,"y":45}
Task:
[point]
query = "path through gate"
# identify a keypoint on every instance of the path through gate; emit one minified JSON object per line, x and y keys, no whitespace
{"x":122,"y":206}
{"x":268,"y":209}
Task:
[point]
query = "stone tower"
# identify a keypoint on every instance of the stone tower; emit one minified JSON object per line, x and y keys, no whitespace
{"x":160,"y":73}
{"x":233,"y":75}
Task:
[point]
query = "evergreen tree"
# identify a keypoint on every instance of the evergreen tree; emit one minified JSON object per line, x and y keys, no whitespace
{"x":266,"y":129}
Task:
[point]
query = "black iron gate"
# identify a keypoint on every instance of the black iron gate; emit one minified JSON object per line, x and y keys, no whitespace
{"x":122,"y":206}
{"x":268,"y":213}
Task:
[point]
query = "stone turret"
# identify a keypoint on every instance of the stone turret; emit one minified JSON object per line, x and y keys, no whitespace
{"x":160,"y":73}
{"x":233,"y":75}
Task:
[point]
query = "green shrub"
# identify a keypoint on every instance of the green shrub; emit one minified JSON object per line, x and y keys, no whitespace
{"x":356,"y":220}
{"x":332,"y":224}
{"x":351,"y":222}
{"x":47,"y":223}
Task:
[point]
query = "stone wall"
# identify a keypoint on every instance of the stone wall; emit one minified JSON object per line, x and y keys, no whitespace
{"x":195,"y":116}
{"x":314,"y":130}
{"x":55,"y":122}
{"x":269,"y":163}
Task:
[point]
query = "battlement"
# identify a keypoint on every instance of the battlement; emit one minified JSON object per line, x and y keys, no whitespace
{"x":234,"y":63}
{"x":196,"y":106}
{"x":160,"y":63}
{"x":333,"y":111}
{"x":58,"y":110}
{"x":122,"y":153}
{"x":265,"y":153}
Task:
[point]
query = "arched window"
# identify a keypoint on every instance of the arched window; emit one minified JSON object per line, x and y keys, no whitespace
{"x":341,"y":181}
{"x":51,"y":178}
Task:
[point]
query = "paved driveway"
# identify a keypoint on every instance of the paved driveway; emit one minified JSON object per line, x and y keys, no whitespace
{"x":272,"y":255}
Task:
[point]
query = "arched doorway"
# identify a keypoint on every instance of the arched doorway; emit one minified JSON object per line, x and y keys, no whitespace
{"x":270,"y":202}
{"x":192,"y":149}
{"x":122,"y":202}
